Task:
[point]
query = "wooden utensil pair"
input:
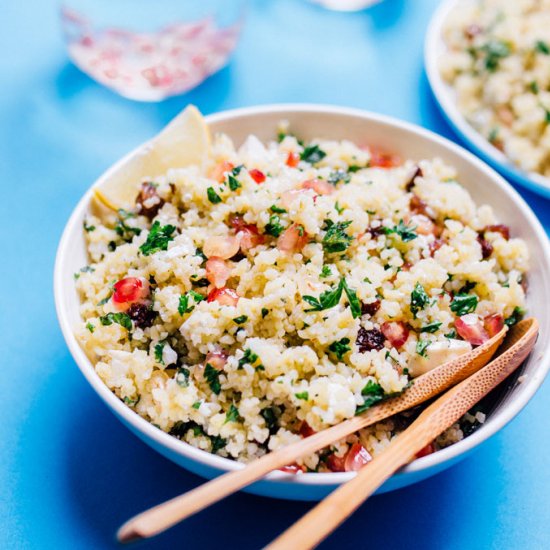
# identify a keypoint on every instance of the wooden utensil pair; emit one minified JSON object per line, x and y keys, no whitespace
{"x":471,"y":380}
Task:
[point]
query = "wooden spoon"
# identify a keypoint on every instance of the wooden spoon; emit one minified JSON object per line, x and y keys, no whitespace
{"x":165,"y":515}
{"x":320,"y":521}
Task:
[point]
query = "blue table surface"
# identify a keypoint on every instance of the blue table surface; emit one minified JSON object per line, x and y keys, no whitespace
{"x":70,"y":473}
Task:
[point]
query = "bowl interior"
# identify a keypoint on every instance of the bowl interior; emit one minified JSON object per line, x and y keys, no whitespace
{"x":363,"y":128}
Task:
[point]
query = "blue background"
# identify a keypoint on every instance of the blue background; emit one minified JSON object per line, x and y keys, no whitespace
{"x":69,"y":472}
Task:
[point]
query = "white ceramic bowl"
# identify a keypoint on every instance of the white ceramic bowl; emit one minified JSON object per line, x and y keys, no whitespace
{"x":444,"y":94}
{"x":407,"y":141}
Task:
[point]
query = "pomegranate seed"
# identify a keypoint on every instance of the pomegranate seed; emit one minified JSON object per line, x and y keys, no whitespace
{"x":292,"y":159}
{"x":356,"y":458}
{"x":306,"y":430}
{"x":380,"y":159}
{"x":471,"y":329}
{"x":223,"y":247}
{"x":336,"y":463}
{"x":396,"y":333}
{"x":128,"y":291}
{"x":217,"y":359}
{"x":425,"y":451}
{"x":217,"y":271}
{"x":224,"y":296}
{"x":293,"y":239}
{"x":257,"y":175}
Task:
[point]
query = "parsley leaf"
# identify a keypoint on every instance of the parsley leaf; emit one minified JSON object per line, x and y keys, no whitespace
{"x":354,"y":303}
{"x":406,"y":232}
{"x":183,"y":306}
{"x":218,"y":443}
{"x":340,"y":347}
{"x":431,"y":327}
{"x":249,"y":357}
{"x":325,"y":272}
{"x":197,"y":405}
{"x":213,"y":197}
{"x":212,"y":376}
{"x":232,"y":415}
{"x":304,"y":396}
{"x":277,"y":209}
{"x":373,"y":393}
{"x":339,"y":176}
{"x":159,"y":348}
{"x":451,"y":334}
{"x":516,"y":316}
{"x":233,"y":182}
{"x":542,"y":47}
{"x":419,"y":299}
{"x":494,"y":51}
{"x":312,"y":154}
{"x":122,"y":319}
{"x":182,"y":377}
{"x":240,"y":319}
{"x":330,"y":298}
{"x":158,"y":238}
{"x":338,"y":208}
{"x":274,"y":226}
{"x":90,"y":327}
{"x":265,"y":311}
{"x":336,"y":239}
{"x":421,"y":346}
{"x":464,"y":303}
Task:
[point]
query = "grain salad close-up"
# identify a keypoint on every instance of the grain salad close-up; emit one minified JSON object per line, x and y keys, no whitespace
{"x":275,"y":289}
{"x":497,"y":60}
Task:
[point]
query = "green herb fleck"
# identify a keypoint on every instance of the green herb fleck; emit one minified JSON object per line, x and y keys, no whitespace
{"x":421,"y":346}
{"x":419,"y":299}
{"x":339,"y":176}
{"x":277,"y":210}
{"x":249,"y":357}
{"x":406,"y":232}
{"x":312,"y":154}
{"x":240,"y":319}
{"x":218,"y":443}
{"x":338,"y":208}
{"x":336,"y":239}
{"x":431,"y":327}
{"x":340,"y":348}
{"x":534,"y":87}
{"x":451,"y":334}
{"x":212,"y":376}
{"x":542,"y":47}
{"x":232,"y":415}
{"x":183,"y":306}
{"x":265,"y":311}
{"x":182,"y":377}
{"x":197,"y":405}
{"x":464,"y":303}
{"x":495,"y":50}
{"x":274,"y":226}
{"x":325,"y":272}
{"x":89,"y":228}
{"x":373,"y":393}
{"x":213,"y":197}
{"x":304,"y":396}
{"x":121,"y":319}
{"x":159,"y":348}
{"x":158,"y":239}
{"x":90,"y":327}
{"x":516,"y":316}
{"x":233,"y":182}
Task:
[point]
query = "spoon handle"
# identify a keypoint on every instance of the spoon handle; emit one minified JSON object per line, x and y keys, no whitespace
{"x":321,"y":520}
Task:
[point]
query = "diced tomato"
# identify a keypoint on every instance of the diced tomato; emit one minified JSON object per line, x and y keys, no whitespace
{"x":250,"y":237}
{"x":220,"y":170}
{"x":396,"y":333}
{"x":306,"y":430}
{"x":292,"y":469}
{"x":504,"y":230}
{"x":321,"y":187}
{"x":336,"y":463}
{"x":292,"y":239}
{"x":493,"y":324}
{"x":217,"y":271}
{"x":223,"y":247}
{"x":128,"y":291}
{"x":471,"y":329}
{"x":217,"y":359}
{"x":383,"y":160}
{"x":292,"y":159}
{"x":356,"y":458}
{"x":257,"y":175}
{"x":224,"y":296}
{"x":425,"y":451}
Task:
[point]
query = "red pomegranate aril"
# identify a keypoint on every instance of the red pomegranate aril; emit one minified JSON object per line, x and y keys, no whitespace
{"x":504,"y":230}
{"x":356,"y":458}
{"x":217,"y":271}
{"x":236,"y":221}
{"x":306,"y":430}
{"x":319,"y":186}
{"x":292,"y":159}
{"x":425,"y":451}
{"x":471,"y":329}
{"x":396,"y":333}
{"x":336,"y":463}
{"x":493,"y":324}
{"x":217,"y":359}
{"x":257,"y":175}
{"x":128,"y":291}
{"x":222,"y":247}
{"x":379,"y":159}
{"x":292,"y":469}
{"x":292,"y":239}
{"x":224,"y":296}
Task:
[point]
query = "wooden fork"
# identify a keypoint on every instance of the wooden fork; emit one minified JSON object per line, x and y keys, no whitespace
{"x":165,"y":515}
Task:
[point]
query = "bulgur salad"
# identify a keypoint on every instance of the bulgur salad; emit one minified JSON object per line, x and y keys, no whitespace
{"x":275,"y":289}
{"x":497,"y":60}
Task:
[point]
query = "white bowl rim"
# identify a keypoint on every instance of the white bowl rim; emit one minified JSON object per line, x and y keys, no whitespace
{"x":499,"y":419}
{"x":444,"y":97}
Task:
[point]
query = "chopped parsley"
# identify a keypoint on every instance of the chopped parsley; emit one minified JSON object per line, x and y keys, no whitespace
{"x":122,"y":229}
{"x":493,"y":135}
{"x":265,"y":311}
{"x":534,"y":87}
{"x":182,"y":377}
{"x":336,"y":239}
{"x":325,"y":272}
{"x":158,"y":238}
{"x":338,"y":208}
{"x":516,"y":316}
{"x":419,"y":299}
{"x":197,"y":405}
{"x":312,"y":154}
{"x":431,"y":327}
{"x":270,"y":417}
{"x":159,"y":348}
{"x":339,"y":176}
{"x":274,"y":226}
{"x":421,"y":346}
{"x":232,"y":415}
{"x":218,"y":443}
{"x":183,"y":306}
{"x":340,"y":348}
{"x":212,"y":376}
{"x":233,"y":182}
{"x":240,"y":319}
{"x":89,"y":228}
{"x":464,"y":303}
{"x":330,"y":298}
{"x":406,"y":232}
{"x":304,"y":395}
{"x":494,"y":51}
{"x":451,"y":334}
{"x":249,"y":357}
{"x":372,"y":393}
{"x":90,"y":327}
{"x":542,"y":47}
{"x":122,"y":319}
{"x":277,"y":210}
{"x":213,"y":197}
